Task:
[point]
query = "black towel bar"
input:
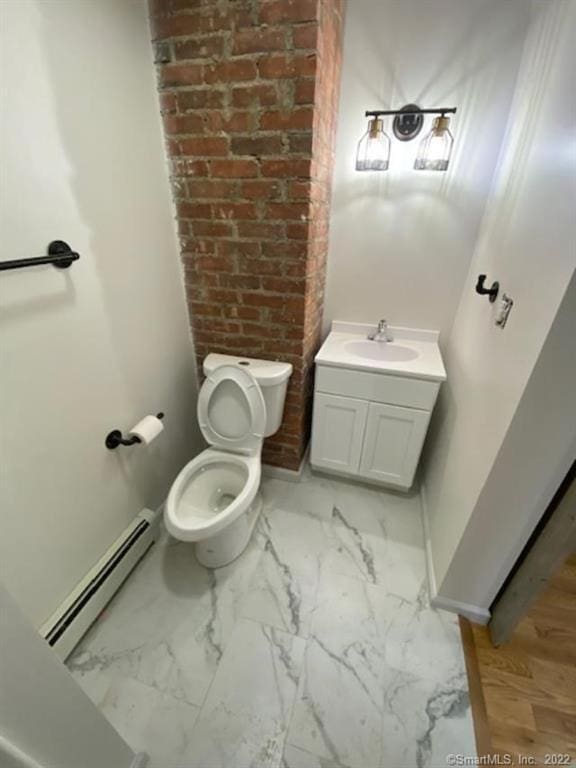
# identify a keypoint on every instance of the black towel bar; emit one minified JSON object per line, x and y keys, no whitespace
{"x":59,"y":253}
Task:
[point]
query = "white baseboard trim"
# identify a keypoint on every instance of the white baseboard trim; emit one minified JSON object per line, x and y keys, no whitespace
{"x":73,"y":617}
{"x":15,"y":756}
{"x":291,"y":475}
{"x":141,"y":760}
{"x":473,"y":612}
{"x":432,"y":587}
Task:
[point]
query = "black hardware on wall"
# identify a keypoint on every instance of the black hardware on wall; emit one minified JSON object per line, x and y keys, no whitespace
{"x":115,"y":438}
{"x":59,"y":254}
{"x":491,"y":292}
{"x":409,"y":120}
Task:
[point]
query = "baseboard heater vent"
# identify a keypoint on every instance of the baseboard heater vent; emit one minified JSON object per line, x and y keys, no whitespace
{"x":69,"y":623}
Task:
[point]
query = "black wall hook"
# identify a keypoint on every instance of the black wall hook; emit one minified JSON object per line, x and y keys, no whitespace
{"x":491,"y":292}
{"x":115,"y":438}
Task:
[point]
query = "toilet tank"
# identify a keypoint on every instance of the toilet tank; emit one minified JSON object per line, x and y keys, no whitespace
{"x":270,"y":375}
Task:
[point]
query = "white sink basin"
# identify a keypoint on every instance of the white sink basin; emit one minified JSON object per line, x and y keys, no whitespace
{"x":413,"y":353}
{"x":381,"y":350}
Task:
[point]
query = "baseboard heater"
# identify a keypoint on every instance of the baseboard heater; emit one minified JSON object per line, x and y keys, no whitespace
{"x":68,"y":624}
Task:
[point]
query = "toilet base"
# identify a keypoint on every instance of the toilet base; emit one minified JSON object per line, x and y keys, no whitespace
{"x":229,"y":544}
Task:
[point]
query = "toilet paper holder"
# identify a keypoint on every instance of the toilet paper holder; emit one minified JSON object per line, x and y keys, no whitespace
{"x":115,"y":438}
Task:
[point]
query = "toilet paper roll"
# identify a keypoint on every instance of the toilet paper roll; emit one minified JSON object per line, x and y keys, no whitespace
{"x":147,"y":429}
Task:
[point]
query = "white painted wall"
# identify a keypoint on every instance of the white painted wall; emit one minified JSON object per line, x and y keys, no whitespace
{"x":401,"y":241}
{"x":46,"y":719}
{"x":106,"y":342}
{"x":505,"y":438}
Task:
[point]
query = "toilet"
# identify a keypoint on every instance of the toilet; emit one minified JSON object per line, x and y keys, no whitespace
{"x":214,"y":501}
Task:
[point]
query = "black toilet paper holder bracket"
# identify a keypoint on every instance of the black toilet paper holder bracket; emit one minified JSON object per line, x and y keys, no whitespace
{"x":116,"y":438}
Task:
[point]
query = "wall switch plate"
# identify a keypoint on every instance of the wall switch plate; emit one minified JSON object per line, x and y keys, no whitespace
{"x":506,"y":304}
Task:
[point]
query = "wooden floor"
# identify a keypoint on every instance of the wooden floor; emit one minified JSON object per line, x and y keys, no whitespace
{"x":524,"y":692}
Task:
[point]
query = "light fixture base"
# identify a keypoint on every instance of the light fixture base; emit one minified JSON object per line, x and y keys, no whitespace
{"x":408,"y":124}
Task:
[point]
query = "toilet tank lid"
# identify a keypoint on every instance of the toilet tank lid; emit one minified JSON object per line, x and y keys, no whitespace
{"x":267,"y":373}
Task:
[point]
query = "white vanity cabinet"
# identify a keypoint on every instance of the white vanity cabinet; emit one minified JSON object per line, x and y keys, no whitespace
{"x":370,"y":424}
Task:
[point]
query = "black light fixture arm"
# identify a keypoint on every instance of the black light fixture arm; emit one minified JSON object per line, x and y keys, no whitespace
{"x":407,"y":111}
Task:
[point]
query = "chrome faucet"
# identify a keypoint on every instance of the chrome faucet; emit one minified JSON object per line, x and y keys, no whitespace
{"x":382,"y":333}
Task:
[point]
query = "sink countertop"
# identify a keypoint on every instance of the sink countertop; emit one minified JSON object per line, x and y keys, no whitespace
{"x":427,"y":365}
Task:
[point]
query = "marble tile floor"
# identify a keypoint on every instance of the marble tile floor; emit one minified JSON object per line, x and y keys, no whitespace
{"x":317,"y":648}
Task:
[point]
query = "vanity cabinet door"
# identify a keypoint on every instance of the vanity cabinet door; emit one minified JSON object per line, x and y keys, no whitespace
{"x":337,"y":432}
{"x":392,"y":445}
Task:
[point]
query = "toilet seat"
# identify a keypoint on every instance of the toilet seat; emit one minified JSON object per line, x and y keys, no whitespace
{"x":232,"y":411}
{"x":191,"y":512}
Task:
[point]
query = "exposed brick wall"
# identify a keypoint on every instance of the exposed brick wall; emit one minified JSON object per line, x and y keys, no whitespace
{"x":248,"y":94}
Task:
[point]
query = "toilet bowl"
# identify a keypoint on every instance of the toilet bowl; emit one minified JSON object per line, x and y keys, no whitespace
{"x":214,"y":501}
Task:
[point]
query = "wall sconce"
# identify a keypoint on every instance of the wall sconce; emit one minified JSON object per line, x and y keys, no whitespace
{"x":434,"y":151}
{"x":373,"y":148}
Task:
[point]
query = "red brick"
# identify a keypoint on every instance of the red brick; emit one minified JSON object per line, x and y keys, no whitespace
{"x":304,"y":91}
{"x":215,"y":263}
{"x":295,"y":268}
{"x":222,"y":325}
{"x":228,"y":71}
{"x":260,"y":189}
{"x":296,"y":119}
{"x":273,"y":67}
{"x":286,"y":168}
{"x":186,"y":166}
{"x":258,"y":145}
{"x":285,"y":249}
{"x":204,"y":145}
{"x":259,"y":266}
{"x":205,"y":98}
{"x":199,"y":247}
{"x":260,"y":229}
{"x":191,"y":123}
{"x":204,"y":20}
{"x":287,"y":315}
{"x":244,"y":313}
{"x":297,"y":230}
{"x":256,"y":40}
{"x":277,"y":11}
{"x":172,"y":147}
{"x":262,"y":331}
{"x":239,"y":282}
{"x":237,"y":122}
{"x":262,"y":300}
{"x":282,"y":285}
{"x":299,"y":190}
{"x":173,"y":26}
{"x":199,"y":48}
{"x":199,"y":308}
{"x":300,"y":143}
{"x":235,"y":211}
{"x":234,"y":168}
{"x":211,"y":189}
{"x":174,"y":75}
{"x":259,"y":95}
{"x":238,"y":248}
{"x":167,"y":102}
{"x":189,"y":210}
{"x":298,"y":211}
{"x":212,"y":228}
{"x":165,"y":7}
{"x":221,"y":296}
{"x":305,"y":36}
